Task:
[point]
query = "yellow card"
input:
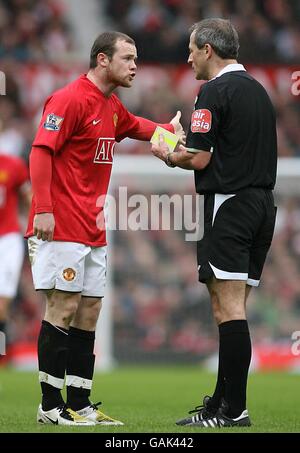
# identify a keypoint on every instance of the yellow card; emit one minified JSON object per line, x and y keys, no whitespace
{"x":170,"y":139}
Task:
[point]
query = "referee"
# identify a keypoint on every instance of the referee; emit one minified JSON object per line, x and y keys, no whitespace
{"x":231,"y":146}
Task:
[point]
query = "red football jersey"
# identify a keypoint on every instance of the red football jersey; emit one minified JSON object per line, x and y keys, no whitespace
{"x":81,"y":125}
{"x":13,"y":174}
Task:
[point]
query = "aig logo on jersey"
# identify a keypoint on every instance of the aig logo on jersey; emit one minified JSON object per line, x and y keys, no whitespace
{"x":105,"y":150}
{"x":53,"y":122}
{"x":201,"y":121}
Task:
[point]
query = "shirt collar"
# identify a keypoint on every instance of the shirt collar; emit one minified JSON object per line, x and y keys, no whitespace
{"x":229,"y":68}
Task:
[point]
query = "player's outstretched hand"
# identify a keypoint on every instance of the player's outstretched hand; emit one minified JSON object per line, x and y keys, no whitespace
{"x":178,"y":129}
{"x":43,"y":226}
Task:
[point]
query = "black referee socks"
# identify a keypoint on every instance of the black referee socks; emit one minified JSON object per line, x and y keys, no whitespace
{"x":235,"y":357}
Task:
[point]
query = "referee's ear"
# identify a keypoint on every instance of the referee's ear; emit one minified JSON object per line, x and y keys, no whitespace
{"x":208,"y":50}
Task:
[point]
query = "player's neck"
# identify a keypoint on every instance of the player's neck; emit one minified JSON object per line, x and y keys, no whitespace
{"x":104,"y":87}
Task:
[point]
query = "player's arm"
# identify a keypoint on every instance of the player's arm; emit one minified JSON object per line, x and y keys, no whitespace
{"x":202,"y":133}
{"x":189,"y":159}
{"x":26,"y":195}
{"x":59,"y":120}
{"x":146,"y":128}
{"x":140,"y":128}
{"x":41,"y":176}
{"x":23,"y":184}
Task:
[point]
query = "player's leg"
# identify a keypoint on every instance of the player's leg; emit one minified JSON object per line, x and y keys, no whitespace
{"x":53,"y":345}
{"x":220,"y":316}
{"x":4,"y":304}
{"x":81,"y":359}
{"x":11,"y":245}
{"x":224,"y":257}
{"x":57,"y":270}
{"x":235,"y":344}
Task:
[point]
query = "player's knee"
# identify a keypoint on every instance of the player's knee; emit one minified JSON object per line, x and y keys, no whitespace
{"x":92,"y":311}
{"x":70,"y":306}
{"x":232,"y":312}
{"x":69,"y":313}
{"x":62,"y":307}
{"x":88,"y":313}
{"x":217,"y":316}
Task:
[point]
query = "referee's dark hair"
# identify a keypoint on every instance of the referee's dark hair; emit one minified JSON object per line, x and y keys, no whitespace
{"x":105,"y":43}
{"x":220,"y":34}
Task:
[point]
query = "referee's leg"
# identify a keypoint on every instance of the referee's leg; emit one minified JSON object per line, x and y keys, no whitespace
{"x":228,"y":299}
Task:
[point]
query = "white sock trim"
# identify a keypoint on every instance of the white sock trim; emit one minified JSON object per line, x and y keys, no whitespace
{"x":78,"y":382}
{"x":51,"y":380}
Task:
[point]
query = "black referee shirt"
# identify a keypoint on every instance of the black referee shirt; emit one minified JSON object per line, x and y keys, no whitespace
{"x":235,"y":120}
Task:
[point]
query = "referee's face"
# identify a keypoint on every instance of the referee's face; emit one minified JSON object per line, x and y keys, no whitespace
{"x":122,"y":67}
{"x":198,"y":59}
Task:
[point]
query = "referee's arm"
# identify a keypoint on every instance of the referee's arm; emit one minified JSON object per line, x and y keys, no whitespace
{"x":187,"y":158}
{"x":190,"y":159}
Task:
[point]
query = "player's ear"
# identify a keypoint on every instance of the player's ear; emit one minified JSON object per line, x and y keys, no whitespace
{"x":102,"y":59}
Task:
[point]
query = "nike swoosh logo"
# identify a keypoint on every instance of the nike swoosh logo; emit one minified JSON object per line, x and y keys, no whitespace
{"x":52,"y":421}
{"x":96,"y":122}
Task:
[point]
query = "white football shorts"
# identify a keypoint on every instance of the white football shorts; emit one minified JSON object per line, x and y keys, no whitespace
{"x":11,"y":260}
{"x":68,"y":266}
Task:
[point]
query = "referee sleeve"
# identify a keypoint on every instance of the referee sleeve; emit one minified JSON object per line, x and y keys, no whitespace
{"x":205,"y":119}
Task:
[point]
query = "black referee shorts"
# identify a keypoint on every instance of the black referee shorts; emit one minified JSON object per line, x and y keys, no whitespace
{"x":238,"y":231}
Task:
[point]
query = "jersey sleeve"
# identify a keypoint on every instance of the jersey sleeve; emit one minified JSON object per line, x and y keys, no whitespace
{"x":136,"y":127}
{"x":205,"y":119}
{"x":127,"y":124}
{"x":59,"y":120}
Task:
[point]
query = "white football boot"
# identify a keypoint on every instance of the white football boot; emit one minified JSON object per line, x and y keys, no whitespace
{"x":62,"y":415}
{"x":92,"y":413}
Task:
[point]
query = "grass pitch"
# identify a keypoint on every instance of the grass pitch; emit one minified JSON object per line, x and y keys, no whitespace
{"x":150,"y":399}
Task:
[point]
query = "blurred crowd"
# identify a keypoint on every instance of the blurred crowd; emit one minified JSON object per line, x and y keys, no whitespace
{"x":158,"y":304}
{"x":157,"y":93}
{"x":271,"y":26}
{"x":160,"y":307}
{"x":33,"y":30}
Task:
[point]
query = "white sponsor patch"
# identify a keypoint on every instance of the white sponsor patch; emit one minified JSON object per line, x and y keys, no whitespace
{"x":201,"y":121}
{"x":105,"y":150}
{"x":53,"y":122}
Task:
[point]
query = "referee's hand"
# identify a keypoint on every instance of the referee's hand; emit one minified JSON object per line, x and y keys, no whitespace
{"x":43,"y":226}
{"x":161,"y":150}
{"x":178,"y":129}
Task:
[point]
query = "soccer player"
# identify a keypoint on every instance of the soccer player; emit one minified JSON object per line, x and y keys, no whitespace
{"x":231,"y":146}
{"x":14,"y":184}
{"x":70,"y":165}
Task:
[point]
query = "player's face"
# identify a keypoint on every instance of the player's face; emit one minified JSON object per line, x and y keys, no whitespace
{"x":198,"y":59}
{"x":122,"y":67}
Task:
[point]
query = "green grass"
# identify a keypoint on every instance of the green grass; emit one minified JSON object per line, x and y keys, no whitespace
{"x":150,"y":399}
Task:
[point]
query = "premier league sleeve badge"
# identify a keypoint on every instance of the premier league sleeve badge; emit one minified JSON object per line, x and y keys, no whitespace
{"x":53,"y":122}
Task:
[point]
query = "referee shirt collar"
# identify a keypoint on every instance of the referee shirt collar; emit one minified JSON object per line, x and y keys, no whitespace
{"x":230,"y":68}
